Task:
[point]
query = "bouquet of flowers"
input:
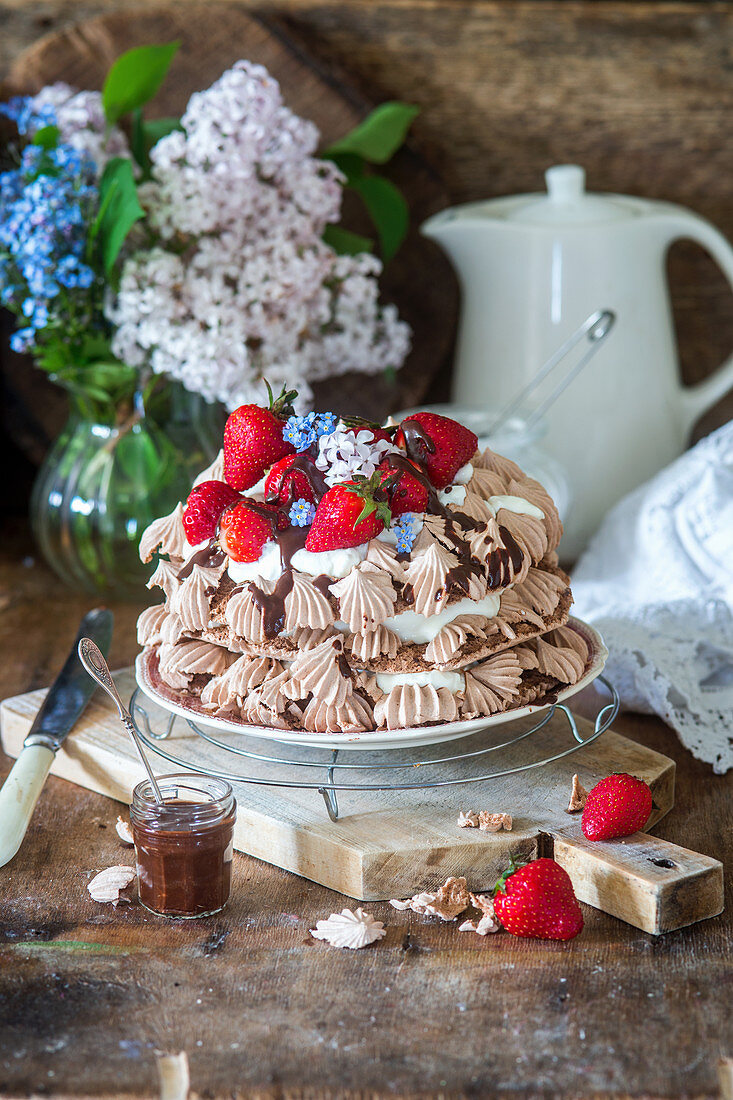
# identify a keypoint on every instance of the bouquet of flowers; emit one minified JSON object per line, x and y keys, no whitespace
{"x":206,"y":250}
{"x":203,"y":252}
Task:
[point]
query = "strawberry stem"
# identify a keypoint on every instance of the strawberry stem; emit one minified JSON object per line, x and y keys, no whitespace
{"x":282,"y":406}
{"x":371,"y":491}
{"x":514,"y":865}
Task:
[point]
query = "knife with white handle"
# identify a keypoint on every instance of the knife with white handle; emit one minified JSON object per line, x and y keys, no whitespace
{"x":63,"y":706}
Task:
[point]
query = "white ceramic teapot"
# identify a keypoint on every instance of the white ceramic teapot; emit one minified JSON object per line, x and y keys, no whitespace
{"x":532,"y":268}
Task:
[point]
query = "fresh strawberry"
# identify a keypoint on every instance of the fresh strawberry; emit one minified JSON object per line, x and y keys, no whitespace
{"x":253,"y":439}
{"x":350,"y":513}
{"x":407,"y":493}
{"x":538,"y":900}
{"x":284,"y":484}
{"x":246,"y":527}
{"x":439,"y":444}
{"x":617,"y":806}
{"x":204,"y":506}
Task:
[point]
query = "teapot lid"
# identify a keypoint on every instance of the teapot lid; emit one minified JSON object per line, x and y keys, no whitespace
{"x":567,"y":201}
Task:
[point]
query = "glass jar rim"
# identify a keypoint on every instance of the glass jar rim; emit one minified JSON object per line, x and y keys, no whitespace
{"x":217,"y":800}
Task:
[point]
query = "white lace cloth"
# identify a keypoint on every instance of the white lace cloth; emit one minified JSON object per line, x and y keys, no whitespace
{"x":657,"y":581}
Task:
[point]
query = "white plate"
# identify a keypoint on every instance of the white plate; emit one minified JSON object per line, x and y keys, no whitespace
{"x":392,"y":739}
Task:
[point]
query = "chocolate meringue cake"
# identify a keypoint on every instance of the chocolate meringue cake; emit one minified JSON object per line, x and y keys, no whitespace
{"x":331,"y":575}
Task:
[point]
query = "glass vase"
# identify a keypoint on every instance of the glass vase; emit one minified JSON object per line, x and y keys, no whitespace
{"x":102,"y":483}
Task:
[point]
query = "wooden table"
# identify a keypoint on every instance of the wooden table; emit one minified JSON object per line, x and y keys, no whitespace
{"x":89,"y":995}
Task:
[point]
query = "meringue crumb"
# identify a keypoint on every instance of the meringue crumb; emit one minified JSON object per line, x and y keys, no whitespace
{"x":578,"y":797}
{"x":124,"y":832}
{"x":448,"y":902}
{"x":486,"y":925}
{"x":349,"y":929}
{"x":492,"y":823}
{"x":467,"y":821}
{"x":109,"y":884}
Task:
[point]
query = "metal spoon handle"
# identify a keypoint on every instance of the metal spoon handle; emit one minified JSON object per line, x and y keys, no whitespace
{"x":91,"y":657}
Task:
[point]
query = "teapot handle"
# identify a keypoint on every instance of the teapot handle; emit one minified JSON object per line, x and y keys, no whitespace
{"x":697,"y":399}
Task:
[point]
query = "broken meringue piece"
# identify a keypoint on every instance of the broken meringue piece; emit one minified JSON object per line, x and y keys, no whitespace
{"x":108,"y":884}
{"x":578,"y":796}
{"x":124,"y":832}
{"x":482,"y":927}
{"x":447,"y":903}
{"x":467,"y":821}
{"x":492,"y":823}
{"x":349,"y":929}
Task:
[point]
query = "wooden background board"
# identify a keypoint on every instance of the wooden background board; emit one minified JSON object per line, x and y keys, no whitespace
{"x":88,"y":993}
{"x":393,"y":844}
{"x":637,"y":92}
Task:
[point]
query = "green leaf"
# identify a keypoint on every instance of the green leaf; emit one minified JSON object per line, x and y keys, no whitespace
{"x":380,"y":135}
{"x":135,"y":78}
{"x":387,"y":209}
{"x":344,"y":242}
{"x":350,"y":164}
{"x":147,"y":133}
{"x":47,"y":137}
{"x":119,"y":209}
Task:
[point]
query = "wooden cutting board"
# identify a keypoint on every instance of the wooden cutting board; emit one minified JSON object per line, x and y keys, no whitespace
{"x":391,"y":844}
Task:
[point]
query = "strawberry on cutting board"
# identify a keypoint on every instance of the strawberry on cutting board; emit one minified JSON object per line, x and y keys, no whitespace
{"x":617,"y":806}
{"x":350,"y":513}
{"x":439,"y":444}
{"x":538,"y":900}
{"x":204,"y":507}
{"x":246,"y":527}
{"x":253,"y":439}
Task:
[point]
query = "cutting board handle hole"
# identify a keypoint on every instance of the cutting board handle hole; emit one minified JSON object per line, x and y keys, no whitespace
{"x":670,"y":863}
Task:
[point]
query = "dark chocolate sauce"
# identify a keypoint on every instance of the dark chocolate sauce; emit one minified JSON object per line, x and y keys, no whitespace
{"x":304,"y":464}
{"x":504,"y":561}
{"x":418,"y":443}
{"x":208,"y":557}
{"x":273,"y":605}
{"x":184,"y":870}
{"x":323,"y":583}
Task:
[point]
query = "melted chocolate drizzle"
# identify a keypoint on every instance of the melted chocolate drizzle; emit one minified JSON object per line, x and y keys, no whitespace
{"x":208,"y":557}
{"x":272,"y":606}
{"x":304,"y":464}
{"x":504,"y":561}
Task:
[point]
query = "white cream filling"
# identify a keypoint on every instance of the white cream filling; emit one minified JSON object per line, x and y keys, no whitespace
{"x":453,"y":495}
{"x":518,"y":505}
{"x":268,"y":567}
{"x":464,"y":475}
{"x":454,"y":681}
{"x":409,"y":626}
{"x":334,"y":563}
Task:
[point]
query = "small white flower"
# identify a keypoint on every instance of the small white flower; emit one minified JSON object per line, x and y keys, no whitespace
{"x":345,"y":452}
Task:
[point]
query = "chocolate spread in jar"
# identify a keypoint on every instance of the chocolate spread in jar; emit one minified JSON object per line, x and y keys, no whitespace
{"x":183,"y":849}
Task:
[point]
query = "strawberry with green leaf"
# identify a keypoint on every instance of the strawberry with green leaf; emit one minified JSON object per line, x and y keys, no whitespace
{"x":537,"y":900}
{"x":253,"y":439}
{"x":349,"y":514}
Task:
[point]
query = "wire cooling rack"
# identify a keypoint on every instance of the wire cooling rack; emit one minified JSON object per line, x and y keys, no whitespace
{"x":439,"y":765}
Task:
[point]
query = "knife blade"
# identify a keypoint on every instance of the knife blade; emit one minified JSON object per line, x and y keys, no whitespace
{"x":61,"y":709}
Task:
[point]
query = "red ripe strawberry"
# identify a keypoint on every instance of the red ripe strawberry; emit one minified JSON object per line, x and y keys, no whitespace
{"x":286,"y":485}
{"x":245,"y":528}
{"x":408,"y":494}
{"x":350,"y":513}
{"x":253,"y":440}
{"x":617,"y":806}
{"x":204,"y":506}
{"x":538,"y":900}
{"x":438,"y":443}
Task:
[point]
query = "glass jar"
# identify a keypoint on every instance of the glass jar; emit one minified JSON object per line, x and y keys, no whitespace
{"x":183,"y":846}
{"x":106,"y":479}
